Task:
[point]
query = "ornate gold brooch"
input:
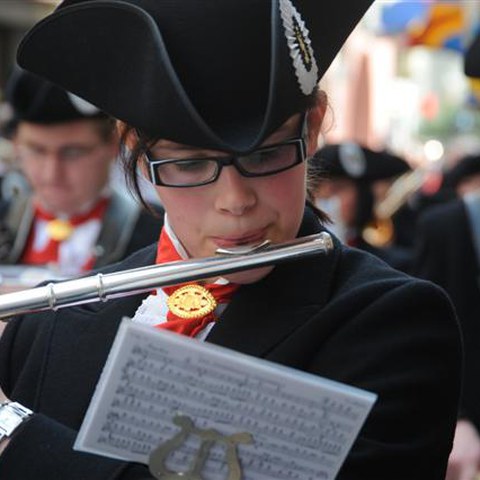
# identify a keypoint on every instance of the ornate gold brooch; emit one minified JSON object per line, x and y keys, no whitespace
{"x":191,"y":301}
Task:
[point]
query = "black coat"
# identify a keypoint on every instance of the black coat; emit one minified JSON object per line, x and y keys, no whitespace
{"x":346,"y":316}
{"x":397,"y":256}
{"x":445,"y":254}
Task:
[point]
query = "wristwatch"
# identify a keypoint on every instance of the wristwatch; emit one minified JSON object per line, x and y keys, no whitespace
{"x":12,"y":415}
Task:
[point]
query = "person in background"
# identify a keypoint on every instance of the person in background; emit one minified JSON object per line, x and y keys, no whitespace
{"x":447,"y":252}
{"x":463,"y":177}
{"x":350,"y":181}
{"x":454,"y":264}
{"x":70,"y":218}
{"x":219,"y":105}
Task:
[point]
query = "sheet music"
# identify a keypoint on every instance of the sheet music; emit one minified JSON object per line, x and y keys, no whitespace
{"x":302,"y":425}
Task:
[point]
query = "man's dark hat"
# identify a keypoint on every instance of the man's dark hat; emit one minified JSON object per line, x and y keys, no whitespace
{"x":466,"y":167}
{"x":471,"y":63}
{"x":36,"y":100}
{"x":219,"y":74}
{"x":357,"y":162}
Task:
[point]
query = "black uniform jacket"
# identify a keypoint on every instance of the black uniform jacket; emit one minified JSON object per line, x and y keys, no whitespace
{"x":345,"y":315}
{"x":446,"y":255}
{"x":397,"y":256}
{"x":126,"y":228}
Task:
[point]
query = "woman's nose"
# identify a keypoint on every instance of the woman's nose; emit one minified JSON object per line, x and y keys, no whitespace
{"x":235,"y":193}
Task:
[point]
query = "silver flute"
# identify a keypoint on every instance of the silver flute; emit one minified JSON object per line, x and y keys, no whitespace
{"x":102,"y":287}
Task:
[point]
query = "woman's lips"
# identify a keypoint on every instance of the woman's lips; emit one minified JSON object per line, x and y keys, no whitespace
{"x":248,"y":238}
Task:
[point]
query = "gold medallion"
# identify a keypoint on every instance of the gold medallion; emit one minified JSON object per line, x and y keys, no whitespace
{"x":191,"y":301}
{"x":59,"y":230}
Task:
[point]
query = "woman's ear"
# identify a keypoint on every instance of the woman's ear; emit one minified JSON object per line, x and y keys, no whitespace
{"x":315,"y":116}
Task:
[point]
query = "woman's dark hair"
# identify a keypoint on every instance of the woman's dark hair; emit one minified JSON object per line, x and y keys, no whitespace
{"x":315,"y":175}
{"x":131,"y":157}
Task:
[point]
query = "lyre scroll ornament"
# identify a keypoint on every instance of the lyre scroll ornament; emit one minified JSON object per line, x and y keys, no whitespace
{"x":208,"y":438}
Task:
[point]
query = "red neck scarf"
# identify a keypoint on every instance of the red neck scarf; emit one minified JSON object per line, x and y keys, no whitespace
{"x":166,"y":252}
{"x":50,"y":253}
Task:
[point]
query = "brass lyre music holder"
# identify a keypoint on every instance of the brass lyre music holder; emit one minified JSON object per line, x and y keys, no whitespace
{"x":208,"y":438}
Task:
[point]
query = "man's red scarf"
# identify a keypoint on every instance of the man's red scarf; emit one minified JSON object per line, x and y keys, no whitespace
{"x":51,"y":251}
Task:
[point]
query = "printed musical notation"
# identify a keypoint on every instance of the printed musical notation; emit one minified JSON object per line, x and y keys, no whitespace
{"x":302,"y":425}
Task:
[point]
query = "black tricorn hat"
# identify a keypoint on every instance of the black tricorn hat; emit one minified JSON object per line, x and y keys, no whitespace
{"x":471,"y":61}
{"x":357,"y":162}
{"x":34,"y":99}
{"x":219,"y":74}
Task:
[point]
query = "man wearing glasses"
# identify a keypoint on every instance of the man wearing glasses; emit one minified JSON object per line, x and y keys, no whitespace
{"x":72,"y":220}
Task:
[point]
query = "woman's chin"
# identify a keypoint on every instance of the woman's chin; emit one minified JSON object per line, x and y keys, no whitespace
{"x":249,"y":276}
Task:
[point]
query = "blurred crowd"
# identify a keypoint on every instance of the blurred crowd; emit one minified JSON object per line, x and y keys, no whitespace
{"x":426,"y":223}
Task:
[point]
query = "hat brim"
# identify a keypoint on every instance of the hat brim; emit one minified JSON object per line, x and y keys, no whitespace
{"x":115,"y":55}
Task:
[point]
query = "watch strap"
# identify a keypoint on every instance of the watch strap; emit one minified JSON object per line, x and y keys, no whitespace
{"x":12,"y":415}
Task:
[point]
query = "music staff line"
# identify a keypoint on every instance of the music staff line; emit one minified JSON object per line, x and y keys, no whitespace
{"x":156,"y":409}
{"x":139,"y":383}
{"x":219,"y":374}
{"x":158,"y":430}
{"x":259,"y":463}
{"x":149,"y":371}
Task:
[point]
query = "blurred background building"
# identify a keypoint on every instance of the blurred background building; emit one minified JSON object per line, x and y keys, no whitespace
{"x":399,"y":83}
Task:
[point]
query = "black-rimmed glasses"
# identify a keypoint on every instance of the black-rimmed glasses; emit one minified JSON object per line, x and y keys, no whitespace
{"x":193,"y":172}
